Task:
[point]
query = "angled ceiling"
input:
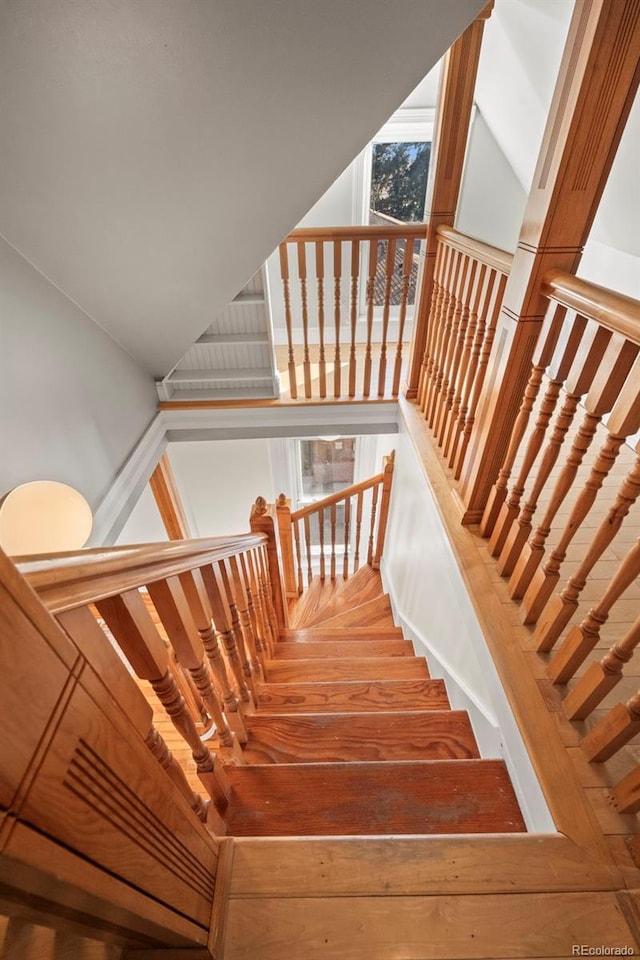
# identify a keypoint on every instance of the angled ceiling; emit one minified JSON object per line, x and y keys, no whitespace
{"x":155,"y":153}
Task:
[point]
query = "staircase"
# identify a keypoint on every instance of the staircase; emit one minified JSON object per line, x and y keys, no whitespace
{"x":351,"y":735}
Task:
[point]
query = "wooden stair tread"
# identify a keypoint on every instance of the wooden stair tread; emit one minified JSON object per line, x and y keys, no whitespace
{"x":361,"y":587}
{"x":342,"y":633}
{"x":344,"y":737}
{"x":341,"y":696}
{"x":310,"y":649}
{"x":431,"y":796}
{"x":371,"y":613}
{"x":369,"y":668}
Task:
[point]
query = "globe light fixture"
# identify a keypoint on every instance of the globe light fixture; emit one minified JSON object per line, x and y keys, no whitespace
{"x":44,"y":516}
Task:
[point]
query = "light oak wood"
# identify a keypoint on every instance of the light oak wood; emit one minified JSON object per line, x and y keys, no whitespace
{"x":337,"y":649}
{"x":370,"y":668}
{"x":342,"y":696}
{"x":167,"y":497}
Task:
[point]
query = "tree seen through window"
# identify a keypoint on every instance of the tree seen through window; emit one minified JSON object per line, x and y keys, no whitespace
{"x":399,"y":180}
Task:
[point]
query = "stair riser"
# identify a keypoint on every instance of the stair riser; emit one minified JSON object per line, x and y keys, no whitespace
{"x":308,"y":649}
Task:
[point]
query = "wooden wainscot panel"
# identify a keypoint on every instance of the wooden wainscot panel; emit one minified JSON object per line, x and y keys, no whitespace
{"x":34,"y":674}
{"x":101,"y":792}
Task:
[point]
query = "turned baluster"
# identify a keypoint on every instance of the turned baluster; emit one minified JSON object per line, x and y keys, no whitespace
{"x":581,"y":640}
{"x":359,"y":508}
{"x":265,"y":636}
{"x":130,"y":623}
{"x":256,"y":629}
{"x":561,"y":609}
{"x":497,"y":512}
{"x":372,"y":524}
{"x":626,"y":793}
{"x":307,"y":545}
{"x":437,"y":319}
{"x":302,"y":276}
{"x":615,"y":729}
{"x":168,"y":762}
{"x":333,"y":520}
{"x":435,"y":305}
{"x":513,"y":533}
{"x":407,"y":265}
{"x":322,"y":361}
{"x":244,"y":653}
{"x":370,"y":299}
{"x":296,"y":536}
{"x":483,"y":345}
{"x":602,"y":676}
{"x":246,"y":622}
{"x":386,"y":306}
{"x":291,"y":364}
{"x":173,"y":609}
{"x":355,"y":274}
{"x":454,"y":347}
{"x":321,"y":539}
{"x":266,"y":592}
{"x":452,"y":308}
{"x":337,"y":307}
{"x":602,"y":374}
{"x":347,"y":519}
{"x":463,"y":359}
{"x":222,"y":618}
{"x":198,"y":602}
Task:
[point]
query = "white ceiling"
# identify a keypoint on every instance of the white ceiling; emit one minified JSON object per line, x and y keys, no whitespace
{"x":154,"y":153}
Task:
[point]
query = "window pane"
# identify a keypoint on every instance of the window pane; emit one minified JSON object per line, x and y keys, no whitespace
{"x":327,"y":466}
{"x":399,"y":180}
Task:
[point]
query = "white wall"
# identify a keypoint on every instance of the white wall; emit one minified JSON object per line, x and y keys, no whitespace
{"x":144,"y":523}
{"x":72,"y":402}
{"x":220,"y":480}
{"x":492,"y":200}
{"x":430,"y":602}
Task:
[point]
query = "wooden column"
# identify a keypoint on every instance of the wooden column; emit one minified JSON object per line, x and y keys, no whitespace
{"x":594,"y":93}
{"x":455,"y":101}
{"x":283,"y":513}
{"x":263,"y":520}
{"x":165,"y":493}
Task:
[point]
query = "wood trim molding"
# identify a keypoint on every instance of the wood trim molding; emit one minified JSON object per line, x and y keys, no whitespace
{"x":167,"y":496}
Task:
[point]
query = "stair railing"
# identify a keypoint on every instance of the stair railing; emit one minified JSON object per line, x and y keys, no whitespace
{"x":193,"y":620}
{"x":334,"y":536}
{"x":468,"y":287}
{"x":348,"y":307}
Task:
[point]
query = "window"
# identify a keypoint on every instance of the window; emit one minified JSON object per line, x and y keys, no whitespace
{"x":326,"y":466}
{"x":399,"y":181}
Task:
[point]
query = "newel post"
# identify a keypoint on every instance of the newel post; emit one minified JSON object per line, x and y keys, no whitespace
{"x":283,"y":513}
{"x":384,"y":507}
{"x":594,"y":92}
{"x":263,"y":519}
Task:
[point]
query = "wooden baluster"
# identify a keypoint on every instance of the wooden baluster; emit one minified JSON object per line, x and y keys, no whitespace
{"x":322,"y":362}
{"x":224,"y":625}
{"x":257,"y":628}
{"x":337,"y":294}
{"x":307,"y":545}
{"x":321,"y":538}
{"x":347,"y":520}
{"x":374,"y":506}
{"x":82,"y":626}
{"x":385,"y":501}
{"x":560,"y":610}
{"x":371,"y":299}
{"x":581,"y":640}
{"x":462,"y":359}
{"x":483,"y":345}
{"x":450,"y":310}
{"x":435,"y":302}
{"x":355,"y":275}
{"x":626,"y":793}
{"x":236,"y":623}
{"x":291,"y":365}
{"x":454,"y":347}
{"x":603,"y":387}
{"x":246,"y":623}
{"x":333,"y":516}
{"x":513,"y":534}
{"x":267,"y":593}
{"x":173,"y":609}
{"x":359,"y":506}
{"x":302,"y":275}
{"x":616,"y":728}
{"x":196,"y":595}
{"x":389,"y":271}
{"x":130,"y":623}
{"x":266,"y":639}
{"x":445,"y":263}
{"x":187,"y":688}
{"x":496,"y":509}
{"x":407,"y":265}
{"x":296,"y":534}
{"x":601,"y":676}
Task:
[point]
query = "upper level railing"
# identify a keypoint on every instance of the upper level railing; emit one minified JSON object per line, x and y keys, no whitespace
{"x":348,"y":296}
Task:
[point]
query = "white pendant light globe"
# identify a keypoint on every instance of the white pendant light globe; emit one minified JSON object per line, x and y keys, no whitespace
{"x":44,"y":516}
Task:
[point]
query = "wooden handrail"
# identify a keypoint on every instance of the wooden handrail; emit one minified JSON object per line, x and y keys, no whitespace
{"x":492,"y":256}
{"x":68,"y":580}
{"x":334,"y":498}
{"x":366,"y":232}
{"x":612,"y":310}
